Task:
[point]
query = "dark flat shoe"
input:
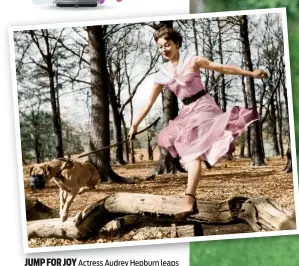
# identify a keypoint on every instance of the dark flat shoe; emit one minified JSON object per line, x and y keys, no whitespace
{"x":207,"y":165}
{"x":183,"y":215}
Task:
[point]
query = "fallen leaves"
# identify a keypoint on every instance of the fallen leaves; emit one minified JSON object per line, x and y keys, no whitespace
{"x":224,"y":180}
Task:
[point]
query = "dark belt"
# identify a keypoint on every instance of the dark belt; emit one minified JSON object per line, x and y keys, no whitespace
{"x":194,"y":97}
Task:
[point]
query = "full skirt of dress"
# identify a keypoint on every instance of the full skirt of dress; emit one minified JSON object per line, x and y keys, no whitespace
{"x":202,"y":131}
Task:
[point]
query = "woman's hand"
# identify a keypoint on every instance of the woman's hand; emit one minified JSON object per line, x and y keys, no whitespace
{"x":132,"y":132}
{"x":260,"y":74}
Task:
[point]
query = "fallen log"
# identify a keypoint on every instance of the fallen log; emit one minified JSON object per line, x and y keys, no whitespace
{"x":54,"y":228}
{"x":133,"y":222}
{"x":234,"y":210}
{"x":264,"y":214}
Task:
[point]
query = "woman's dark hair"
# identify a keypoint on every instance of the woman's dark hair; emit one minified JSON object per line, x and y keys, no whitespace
{"x":168,"y":34}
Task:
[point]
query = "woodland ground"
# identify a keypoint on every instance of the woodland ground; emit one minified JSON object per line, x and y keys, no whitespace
{"x":226,"y":179}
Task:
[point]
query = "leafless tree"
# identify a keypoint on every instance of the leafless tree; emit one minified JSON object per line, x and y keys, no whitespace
{"x":100,"y":128}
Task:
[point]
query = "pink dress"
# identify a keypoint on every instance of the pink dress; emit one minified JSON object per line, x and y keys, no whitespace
{"x":201,"y":130}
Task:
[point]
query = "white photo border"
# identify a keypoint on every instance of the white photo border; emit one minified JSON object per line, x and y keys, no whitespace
{"x":281,"y":11}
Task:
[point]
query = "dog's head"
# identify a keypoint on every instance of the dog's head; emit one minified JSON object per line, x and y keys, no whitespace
{"x":40,"y":174}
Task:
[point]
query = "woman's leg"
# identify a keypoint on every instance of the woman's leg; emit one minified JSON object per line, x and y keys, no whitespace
{"x":194,"y":174}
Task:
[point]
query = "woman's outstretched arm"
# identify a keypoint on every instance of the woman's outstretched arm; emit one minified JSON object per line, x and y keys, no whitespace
{"x":228,"y":69}
{"x":157,"y":88}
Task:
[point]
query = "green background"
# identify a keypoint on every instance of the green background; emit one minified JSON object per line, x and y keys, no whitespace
{"x":265,"y":251}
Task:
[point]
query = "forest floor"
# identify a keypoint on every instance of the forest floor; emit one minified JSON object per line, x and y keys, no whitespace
{"x":225,"y":180}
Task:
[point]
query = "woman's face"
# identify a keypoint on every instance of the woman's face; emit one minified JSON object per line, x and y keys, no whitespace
{"x":167,"y":48}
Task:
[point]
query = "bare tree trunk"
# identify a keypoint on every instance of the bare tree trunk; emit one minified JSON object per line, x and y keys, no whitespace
{"x":212,"y":80}
{"x":55,"y":115}
{"x":149,"y":148}
{"x":242,"y":146}
{"x":246,"y":106}
{"x":262,"y":94}
{"x":132,"y":152}
{"x":195,"y":36}
{"x":223,"y":94}
{"x":100,"y":132}
{"x":280,"y":118}
{"x":48,"y":60}
{"x":257,"y":156}
{"x":131,"y":142}
{"x":37,"y":144}
{"x":289,"y":167}
{"x":166,"y":163}
{"x":116,"y":125}
{"x":59,"y":129}
{"x":117,"y":118}
{"x":127,"y":149}
{"x":273,"y":127}
{"x":203,"y":37}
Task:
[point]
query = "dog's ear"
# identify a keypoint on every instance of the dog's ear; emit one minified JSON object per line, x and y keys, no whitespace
{"x":47,"y":171}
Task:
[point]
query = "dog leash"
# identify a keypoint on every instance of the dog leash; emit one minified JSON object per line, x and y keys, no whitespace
{"x":118,"y":143}
{"x":67,"y":161}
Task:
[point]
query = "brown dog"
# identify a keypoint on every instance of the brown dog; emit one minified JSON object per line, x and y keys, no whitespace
{"x":75,"y":178}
